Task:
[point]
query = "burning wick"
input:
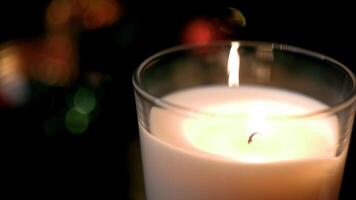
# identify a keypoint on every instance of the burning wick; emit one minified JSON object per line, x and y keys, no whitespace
{"x":251,"y":136}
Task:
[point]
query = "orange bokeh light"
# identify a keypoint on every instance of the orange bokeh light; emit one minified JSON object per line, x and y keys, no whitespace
{"x":199,"y":31}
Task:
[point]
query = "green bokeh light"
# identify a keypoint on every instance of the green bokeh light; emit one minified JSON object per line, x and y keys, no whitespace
{"x":84,"y":101}
{"x":76,"y":122}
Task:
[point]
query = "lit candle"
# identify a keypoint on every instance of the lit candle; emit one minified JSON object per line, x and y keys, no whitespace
{"x":248,"y":156}
{"x":240,"y":142}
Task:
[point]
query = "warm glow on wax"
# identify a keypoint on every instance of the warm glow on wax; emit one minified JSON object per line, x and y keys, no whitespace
{"x":247,"y":132}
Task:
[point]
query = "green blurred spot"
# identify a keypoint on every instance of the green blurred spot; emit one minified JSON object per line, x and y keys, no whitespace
{"x":76,"y":122}
{"x":84,"y":101}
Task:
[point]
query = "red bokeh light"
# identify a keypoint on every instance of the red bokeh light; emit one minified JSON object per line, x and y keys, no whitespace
{"x":199,"y":31}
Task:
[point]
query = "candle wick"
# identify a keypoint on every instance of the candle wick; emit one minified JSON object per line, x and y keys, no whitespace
{"x":249,"y":141}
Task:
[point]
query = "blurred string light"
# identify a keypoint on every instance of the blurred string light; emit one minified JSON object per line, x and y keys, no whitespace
{"x":84,"y":101}
{"x":78,"y":116}
{"x":53,"y":60}
{"x":13,"y":84}
{"x":76,"y":122}
{"x":199,"y":31}
{"x":222,"y":25}
{"x":56,"y":61}
{"x":98,"y":13}
{"x":65,"y":20}
{"x":90,"y":14}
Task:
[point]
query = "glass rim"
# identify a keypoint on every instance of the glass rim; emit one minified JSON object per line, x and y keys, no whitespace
{"x":165,"y":104}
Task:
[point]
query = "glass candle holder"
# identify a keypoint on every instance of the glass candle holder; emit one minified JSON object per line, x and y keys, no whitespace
{"x":243,"y":120}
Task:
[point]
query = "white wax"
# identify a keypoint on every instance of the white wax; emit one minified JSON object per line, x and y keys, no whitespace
{"x":193,"y":157}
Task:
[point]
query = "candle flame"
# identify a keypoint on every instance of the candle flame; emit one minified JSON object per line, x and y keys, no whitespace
{"x":233,"y":65}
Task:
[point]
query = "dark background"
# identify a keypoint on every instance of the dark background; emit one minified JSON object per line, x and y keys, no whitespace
{"x":99,"y":161}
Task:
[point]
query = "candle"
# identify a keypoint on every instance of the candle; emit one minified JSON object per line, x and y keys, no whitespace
{"x":244,"y":151}
{"x":205,"y":140}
